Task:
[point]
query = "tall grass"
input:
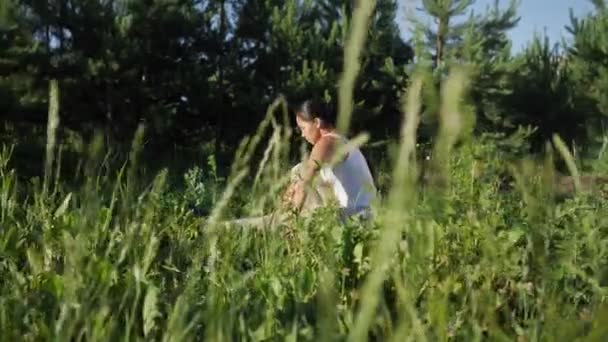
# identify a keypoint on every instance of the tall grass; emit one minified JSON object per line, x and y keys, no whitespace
{"x":52,"y":125}
{"x":352,"y":65}
{"x":118,"y":259}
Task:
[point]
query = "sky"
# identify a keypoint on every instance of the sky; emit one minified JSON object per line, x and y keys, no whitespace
{"x":550,"y":16}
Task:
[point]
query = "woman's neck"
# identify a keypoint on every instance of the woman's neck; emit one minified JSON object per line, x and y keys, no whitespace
{"x":328,"y":131}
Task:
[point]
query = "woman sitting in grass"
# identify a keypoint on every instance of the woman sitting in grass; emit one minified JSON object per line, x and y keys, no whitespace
{"x":348,"y":180}
{"x":321,"y":180}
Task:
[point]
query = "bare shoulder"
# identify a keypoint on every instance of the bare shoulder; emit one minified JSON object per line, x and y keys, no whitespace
{"x":323,"y":150}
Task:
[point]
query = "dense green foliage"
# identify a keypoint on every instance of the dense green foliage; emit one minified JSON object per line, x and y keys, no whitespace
{"x":193,"y":70}
{"x":117,"y":259}
{"x":205,"y":71}
{"x":486,"y":240}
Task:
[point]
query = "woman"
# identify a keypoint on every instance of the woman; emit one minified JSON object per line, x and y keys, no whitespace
{"x":316,"y":182}
{"x":349,"y":180}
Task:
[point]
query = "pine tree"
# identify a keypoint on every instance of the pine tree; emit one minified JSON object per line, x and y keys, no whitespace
{"x":542,"y":96}
{"x":384,"y":74}
{"x":22,"y":94}
{"x":486,"y":53}
{"x":588,"y":54}
{"x":588,"y":59}
{"x":298,"y":52}
{"x":121,"y":61}
{"x":445,"y":34}
{"x":192,"y":70}
{"x":478,"y":42}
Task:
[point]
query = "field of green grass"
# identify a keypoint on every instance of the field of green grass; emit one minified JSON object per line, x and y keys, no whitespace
{"x":482,"y":246}
{"x":481,"y":249}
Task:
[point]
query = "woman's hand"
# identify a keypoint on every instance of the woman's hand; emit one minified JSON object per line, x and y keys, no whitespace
{"x":294,"y":195}
{"x":288,"y":195}
{"x":298,"y":196}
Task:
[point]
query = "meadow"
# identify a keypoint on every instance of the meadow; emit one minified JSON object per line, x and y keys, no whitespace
{"x":473,"y":244}
{"x":486,"y":248}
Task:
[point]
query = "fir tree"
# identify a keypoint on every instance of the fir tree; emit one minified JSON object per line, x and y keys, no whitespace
{"x":478,"y":42}
{"x":588,"y":59}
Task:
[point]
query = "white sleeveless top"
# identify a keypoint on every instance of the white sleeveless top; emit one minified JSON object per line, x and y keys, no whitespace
{"x":351,"y":180}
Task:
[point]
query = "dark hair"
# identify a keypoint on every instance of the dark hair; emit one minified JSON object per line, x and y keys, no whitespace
{"x":310,"y":110}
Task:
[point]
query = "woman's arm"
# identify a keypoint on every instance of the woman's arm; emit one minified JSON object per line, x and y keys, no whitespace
{"x":321,"y":153}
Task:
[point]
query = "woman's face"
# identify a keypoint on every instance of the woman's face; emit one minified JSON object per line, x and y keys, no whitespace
{"x":310,"y":130}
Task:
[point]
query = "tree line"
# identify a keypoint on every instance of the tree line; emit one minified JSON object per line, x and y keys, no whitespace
{"x":200,"y":71}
